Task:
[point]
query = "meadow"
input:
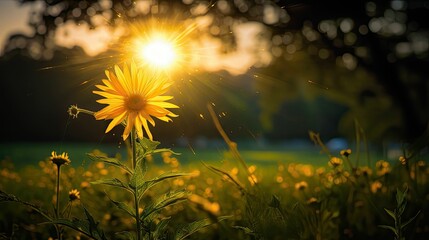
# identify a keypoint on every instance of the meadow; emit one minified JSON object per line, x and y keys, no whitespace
{"x":266,"y":70}
{"x":295,"y":195}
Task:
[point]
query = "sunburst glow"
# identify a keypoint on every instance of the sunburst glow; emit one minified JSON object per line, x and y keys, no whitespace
{"x":158,"y":52}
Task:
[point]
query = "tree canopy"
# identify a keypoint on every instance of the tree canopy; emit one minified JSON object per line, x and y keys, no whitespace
{"x":370,"y":56}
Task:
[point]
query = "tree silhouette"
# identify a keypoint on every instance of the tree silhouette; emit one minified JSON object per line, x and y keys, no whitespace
{"x":371,"y":56}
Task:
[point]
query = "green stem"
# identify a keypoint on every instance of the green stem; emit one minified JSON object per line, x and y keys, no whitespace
{"x":57,"y":210}
{"x":136,"y":200}
{"x":85,"y":111}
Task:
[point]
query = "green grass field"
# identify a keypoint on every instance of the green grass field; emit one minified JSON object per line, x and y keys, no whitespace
{"x":258,"y":194}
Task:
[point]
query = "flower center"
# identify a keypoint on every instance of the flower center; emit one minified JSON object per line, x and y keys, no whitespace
{"x":135,"y":102}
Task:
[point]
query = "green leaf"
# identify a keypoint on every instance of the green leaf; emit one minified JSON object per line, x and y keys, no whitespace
{"x":167,"y":199}
{"x":401,"y":196}
{"x":112,"y":182}
{"x":246,"y":230}
{"x":161,"y":150}
{"x":401,"y":208}
{"x":127,"y":235}
{"x":6,"y":197}
{"x":410,"y":220}
{"x":121,"y":205}
{"x":161,"y":228}
{"x":147,"y":145}
{"x":194,"y":227}
{"x":389,"y":228}
{"x":93,"y":226}
{"x":137,"y":177}
{"x":391,"y":213}
{"x":111,"y":161}
{"x":82,"y":227}
{"x":88,"y":227}
{"x":275,"y":202}
{"x":144,"y":186}
{"x":141,"y":162}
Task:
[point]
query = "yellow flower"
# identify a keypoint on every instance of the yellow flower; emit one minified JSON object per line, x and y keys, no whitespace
{"x":59,"y":159}
{"x":206,"y":205}
{"x":133,"y":96}
{"x":74,"y":195}
{"x":335,"y":162}
{"x":403,"y":160}
{"x":346,"y":152}
{"x":382,"y":167}
{"x":301,"y":185}
{"x":375,"y":186}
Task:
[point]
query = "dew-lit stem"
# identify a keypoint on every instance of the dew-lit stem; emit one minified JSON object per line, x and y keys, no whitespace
{"x":136,"y":200}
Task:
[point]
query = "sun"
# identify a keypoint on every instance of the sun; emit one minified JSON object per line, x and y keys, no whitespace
{"x":158,"y":52}
{"x":162,"y":46}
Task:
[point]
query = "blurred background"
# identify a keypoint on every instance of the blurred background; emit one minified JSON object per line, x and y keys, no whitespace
{"x":272,"y":70}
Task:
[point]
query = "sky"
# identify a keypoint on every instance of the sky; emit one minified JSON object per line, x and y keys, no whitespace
{"x":13,"y":19}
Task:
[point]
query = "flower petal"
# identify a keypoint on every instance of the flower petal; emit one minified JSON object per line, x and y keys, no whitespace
{"x":117,"y":120}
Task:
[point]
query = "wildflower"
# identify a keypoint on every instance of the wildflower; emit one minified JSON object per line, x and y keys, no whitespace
{"x":178,"y":182}
{"x":403,"y":160}
{"x":100,"y":165}
{"x":307,"y":170}
{"x":365,"y":171}
{"x":191,"y":187}
{"x":104,"y":172}
{"x":346,"y":152}
{"x":375,"y":186}
{"x":320,"y":171}
{"x":59,"y":159}
{"x":195,"y":173}
{"x":234,"y":171}
{"x":133,"y":96}
{"x":252,"y":179}
{"x":206,"y":205}
{"x":85,"y":184}
{"x":421,"y":164}
{"x":252,"y":169}
{"x":312,"y":200}
{"x":335,"y":162}
{"x":382,"y":167}
{"x":74,"y":195}
{"x":301,"y":185}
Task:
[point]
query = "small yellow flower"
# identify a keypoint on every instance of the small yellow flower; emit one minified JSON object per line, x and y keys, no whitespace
{"x":382,"y":167}
{"x":312,"y":200}
{"x":206,"y":205}
{"x":375,"y":186}
{"x":59,"y":159}
{"x":346,"y":152}
{"x":366,"y":171}
{"x":74,"y":195}
{"x":85,"y":184}
{"x":403,"y":160}
{"x":134,"y":96}
{"x":301,"y":185}
{"x":335,"y":162}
